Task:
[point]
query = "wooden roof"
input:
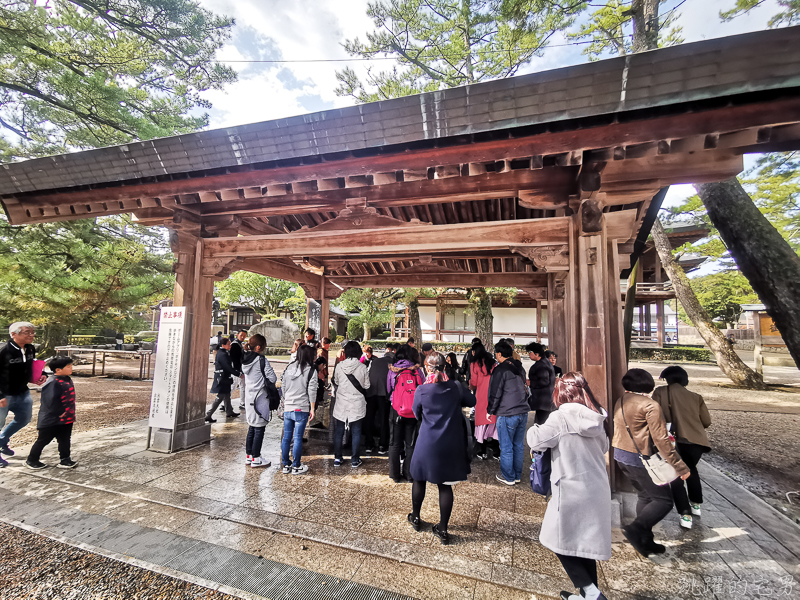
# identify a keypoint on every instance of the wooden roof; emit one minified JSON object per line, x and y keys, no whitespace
{"x":478,"y":179}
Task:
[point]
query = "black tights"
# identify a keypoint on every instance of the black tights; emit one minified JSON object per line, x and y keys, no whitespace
{"x":445,"y":501}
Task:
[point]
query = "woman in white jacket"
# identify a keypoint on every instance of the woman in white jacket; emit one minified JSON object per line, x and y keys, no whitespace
{"x":577,"y":522}
{"x":299,"y":386}
{"x":257,"y":371}
{"x":350,"y":406}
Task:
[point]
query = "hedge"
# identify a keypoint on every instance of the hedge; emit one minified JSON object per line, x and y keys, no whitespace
{"x":678,"y":353}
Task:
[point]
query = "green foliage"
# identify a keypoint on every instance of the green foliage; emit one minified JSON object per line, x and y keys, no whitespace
{"x":89,"y":73}
{"x":790,"y":15}
{"x":265,"y":295}
{"x":442,"y":43}
{"x":671,"y":355}
{"x":722,"y":294}
{"x":372,"y":307}
{"x":608,"y":30}
{"x":773,"y":184}
{"x":86,"y":273}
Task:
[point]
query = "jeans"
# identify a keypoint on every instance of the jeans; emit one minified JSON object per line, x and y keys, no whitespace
{"x":655,"y":502}
{"x":402,"y":434}
{"x":377,"y":405}
{"x":294,"y":425}
{"x":691,"y":455}
{"x":581,"y":571}
{"x":221,"y":398}
{"x":338,"y":434}
{"x":22,"y":407}
{"x":62,"y":433}
{"x":511,"y":433}
{"x":255,"y":437}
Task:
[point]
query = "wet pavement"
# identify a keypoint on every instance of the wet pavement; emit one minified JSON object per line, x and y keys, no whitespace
{"x":350,"y":524}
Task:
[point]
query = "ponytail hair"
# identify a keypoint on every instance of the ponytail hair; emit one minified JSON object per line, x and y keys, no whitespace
{"x":436,"y":363}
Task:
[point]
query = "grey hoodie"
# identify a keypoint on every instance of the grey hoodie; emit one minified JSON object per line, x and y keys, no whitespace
{"x":299,"y":387}
{"x":577,"y":521}
{"x":350,"y":404}
{"x":254,"y":385}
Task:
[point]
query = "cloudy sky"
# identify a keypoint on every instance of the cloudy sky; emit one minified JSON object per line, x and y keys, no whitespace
{"x":308,"y":35}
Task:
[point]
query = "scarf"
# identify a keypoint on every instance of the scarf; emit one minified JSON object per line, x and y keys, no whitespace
{"x":432,"y":377}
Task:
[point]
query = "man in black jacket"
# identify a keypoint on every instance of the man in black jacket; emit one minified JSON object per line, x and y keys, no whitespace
{"x":237,"y":352}
{"x":508,"y":400}
{"x":16,"y":370}
{"x":542,"y":379}
{"x":223,"y":381}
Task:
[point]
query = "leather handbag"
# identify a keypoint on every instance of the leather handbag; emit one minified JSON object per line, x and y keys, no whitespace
{"x":660,"y":471}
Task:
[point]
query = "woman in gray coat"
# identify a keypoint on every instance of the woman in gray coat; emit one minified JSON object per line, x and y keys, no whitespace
{"x":577,"y":522}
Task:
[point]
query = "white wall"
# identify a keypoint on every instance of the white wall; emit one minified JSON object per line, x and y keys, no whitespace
{"x":515,"y":320}
{"x":427,"y":320}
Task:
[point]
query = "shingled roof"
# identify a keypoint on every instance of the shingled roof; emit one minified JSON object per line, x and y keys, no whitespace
{"x":657,"y":81}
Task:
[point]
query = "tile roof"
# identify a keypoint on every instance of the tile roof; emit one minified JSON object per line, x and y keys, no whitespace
{"x":754,"y":62}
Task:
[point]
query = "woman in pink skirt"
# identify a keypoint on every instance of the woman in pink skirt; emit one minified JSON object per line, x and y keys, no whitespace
{"x":481,"y":365}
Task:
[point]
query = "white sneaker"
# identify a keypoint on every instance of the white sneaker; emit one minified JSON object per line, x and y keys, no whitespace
{"x":260,"y":462}
{"x":299,"y":470}
{"x":695,"y":509}
{"x":248,"y":459}
{"x":686,"y":521}
{"x":286,"y":469}
{"x":502,"y":479}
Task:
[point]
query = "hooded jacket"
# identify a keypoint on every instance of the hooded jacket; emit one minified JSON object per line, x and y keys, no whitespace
{"x":507,"y":393}
{"x":542,"y":376}
{"x":350,"y":404}
{"x":57,"y":402}
{"x":299,"y":387}
{"x":400,"y":365}
{"x":254,"y":385}
{"x":578,"y":480}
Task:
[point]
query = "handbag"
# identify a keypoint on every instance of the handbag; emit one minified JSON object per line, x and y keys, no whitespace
{"x":541,"y":468}
{"x":660,"y":471}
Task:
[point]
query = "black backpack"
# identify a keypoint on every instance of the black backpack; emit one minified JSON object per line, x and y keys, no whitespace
{"x":273,"y":395}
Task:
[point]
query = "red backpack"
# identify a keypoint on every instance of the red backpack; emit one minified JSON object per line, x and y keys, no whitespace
{"x":403,"y":394}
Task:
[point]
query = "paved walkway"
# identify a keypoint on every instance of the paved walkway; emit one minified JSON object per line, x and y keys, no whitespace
{"x":350,"y":525}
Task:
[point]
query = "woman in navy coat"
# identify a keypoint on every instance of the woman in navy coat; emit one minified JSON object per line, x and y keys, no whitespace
{"x":441,"y":452}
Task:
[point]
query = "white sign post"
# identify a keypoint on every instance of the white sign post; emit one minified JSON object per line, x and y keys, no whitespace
{"x":166,"y":380}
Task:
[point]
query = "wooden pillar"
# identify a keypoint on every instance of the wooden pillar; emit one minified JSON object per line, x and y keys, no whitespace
{"x":195,"y":292}
{"x":557,"y":326}
{"x":437,"y":335}
{"x":660,"y":323}
{"x":538,"y":305}
{"x":325,"y":313}
{"x":647,"y":329}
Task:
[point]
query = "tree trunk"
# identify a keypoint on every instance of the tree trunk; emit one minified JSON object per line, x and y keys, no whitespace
{"x":367,"y":331}
{"x":645,"y":25}
{"x":630,"y":303}
{"x":727,"y":359}
{"x":414,"y":325}
{"x":484,"y":320}
{"x":761,"y":253}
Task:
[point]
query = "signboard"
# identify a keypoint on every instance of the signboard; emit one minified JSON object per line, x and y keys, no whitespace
{"x":770,"y":336}
{"x":164,"y":399}
{"x":315,"y":318}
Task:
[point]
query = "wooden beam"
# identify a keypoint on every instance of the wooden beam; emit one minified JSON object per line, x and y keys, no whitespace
{"x":279,"y":270}
{"x":434,"y":238}
{"x":528,"y":281}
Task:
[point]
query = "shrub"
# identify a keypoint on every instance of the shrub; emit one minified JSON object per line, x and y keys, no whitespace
{"x":678,"y":353}
{"x":332,"y":335}
{"x":355,"y":330}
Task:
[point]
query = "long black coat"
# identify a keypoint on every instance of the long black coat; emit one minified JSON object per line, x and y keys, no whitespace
{"x":440,"y":453}
{"x":543,"y":379}
{"x":224,"y":372}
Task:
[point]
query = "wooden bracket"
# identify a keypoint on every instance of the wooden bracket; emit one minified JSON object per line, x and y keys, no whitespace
{"x":357,"y":215}
{"x":309,"y":264}
{"x":539,"y":293}
{"x":591,"y":212}
{"x":219,"y":268}
{"x":545,"y":258}
{"x":312,"y":291}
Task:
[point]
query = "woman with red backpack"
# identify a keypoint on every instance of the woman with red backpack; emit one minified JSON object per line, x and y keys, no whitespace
{"x":404,"y":377}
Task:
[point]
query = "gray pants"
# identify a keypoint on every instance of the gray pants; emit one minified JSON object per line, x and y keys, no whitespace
{"x":226,"y":398}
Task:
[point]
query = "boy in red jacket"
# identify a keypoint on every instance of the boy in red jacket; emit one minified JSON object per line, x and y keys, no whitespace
{"x":56,"y":415}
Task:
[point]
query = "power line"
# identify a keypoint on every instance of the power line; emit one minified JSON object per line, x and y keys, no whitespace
{"x":326,"y":60}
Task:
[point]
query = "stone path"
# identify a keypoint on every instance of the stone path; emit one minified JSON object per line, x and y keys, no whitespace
{"x":351,"y":524}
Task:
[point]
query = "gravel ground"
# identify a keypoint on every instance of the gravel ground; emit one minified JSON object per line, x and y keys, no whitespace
{"x":38,"y":568}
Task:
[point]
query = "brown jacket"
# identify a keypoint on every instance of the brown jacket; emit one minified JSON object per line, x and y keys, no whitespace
{"x":646,"y":422}
{"x":689,"y":416}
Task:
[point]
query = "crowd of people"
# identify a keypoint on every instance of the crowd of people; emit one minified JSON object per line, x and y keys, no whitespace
{"x":410,"y":404}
